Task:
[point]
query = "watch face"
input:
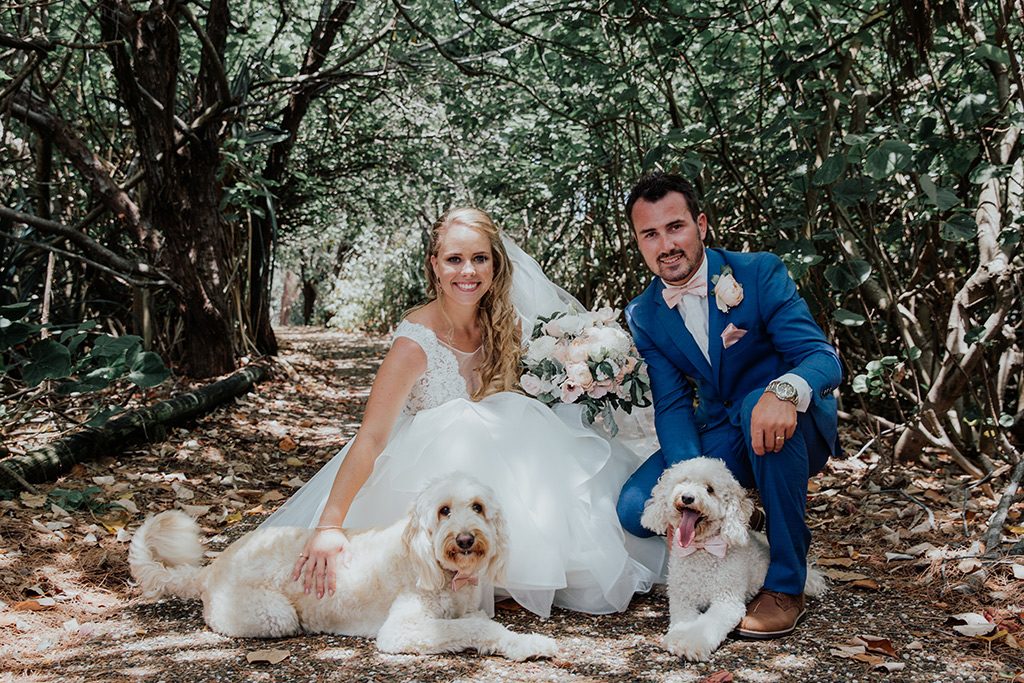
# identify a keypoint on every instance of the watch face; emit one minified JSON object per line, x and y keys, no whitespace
{"x":785,"y":390}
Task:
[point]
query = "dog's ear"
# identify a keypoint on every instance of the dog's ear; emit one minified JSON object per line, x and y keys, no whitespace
{"x":738,"y":508}
{"x":499,"y":544}
{"x":419,"y":546}
{"x":658,"y":509}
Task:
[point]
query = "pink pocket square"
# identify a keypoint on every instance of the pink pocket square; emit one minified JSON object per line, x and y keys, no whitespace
{"x":731,"y":334}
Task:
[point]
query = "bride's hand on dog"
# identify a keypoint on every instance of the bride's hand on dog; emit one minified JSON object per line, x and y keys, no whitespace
{"x":317,"y":565}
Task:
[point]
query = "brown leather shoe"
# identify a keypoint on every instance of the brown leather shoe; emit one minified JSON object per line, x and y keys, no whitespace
{"x":771,"y":615}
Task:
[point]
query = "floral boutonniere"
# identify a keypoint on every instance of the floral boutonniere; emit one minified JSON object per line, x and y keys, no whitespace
{"x":727,"y":291}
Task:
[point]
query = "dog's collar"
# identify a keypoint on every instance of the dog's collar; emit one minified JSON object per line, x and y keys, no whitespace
{"x":459,"y":580}
{"x":716,"y":545}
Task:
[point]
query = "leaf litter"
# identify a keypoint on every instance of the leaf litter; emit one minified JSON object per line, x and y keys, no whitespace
{"x":906,"y":573}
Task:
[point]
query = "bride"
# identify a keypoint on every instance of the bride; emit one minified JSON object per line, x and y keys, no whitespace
{"x":444,"y":400}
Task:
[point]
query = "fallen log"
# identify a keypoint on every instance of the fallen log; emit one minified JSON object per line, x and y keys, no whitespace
{"x":21,"y":471}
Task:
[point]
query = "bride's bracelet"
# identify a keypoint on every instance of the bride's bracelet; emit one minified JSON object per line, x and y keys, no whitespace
{"x":330,"y":526}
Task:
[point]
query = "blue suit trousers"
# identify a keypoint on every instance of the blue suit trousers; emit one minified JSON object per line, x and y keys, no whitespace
{"x":780,"y":478}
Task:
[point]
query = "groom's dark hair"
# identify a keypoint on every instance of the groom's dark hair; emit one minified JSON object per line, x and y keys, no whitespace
{"x":653,"y":186}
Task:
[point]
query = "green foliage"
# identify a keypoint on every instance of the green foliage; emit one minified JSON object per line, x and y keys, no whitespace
{"x":73,"y":499}
{"x":28,"y":357}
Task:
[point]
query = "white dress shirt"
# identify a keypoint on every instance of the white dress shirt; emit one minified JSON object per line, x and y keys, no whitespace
{"x":694,"y":311}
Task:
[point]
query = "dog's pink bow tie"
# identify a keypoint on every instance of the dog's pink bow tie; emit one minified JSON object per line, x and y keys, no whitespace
{"x":460,"y":580}
{"x":672,"y":293}
{"x":716,"y":545}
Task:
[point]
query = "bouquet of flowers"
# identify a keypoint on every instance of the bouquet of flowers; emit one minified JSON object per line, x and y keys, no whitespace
{"x":586,"y":358}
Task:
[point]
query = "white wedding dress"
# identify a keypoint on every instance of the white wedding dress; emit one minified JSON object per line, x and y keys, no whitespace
{"x":556,"y":479}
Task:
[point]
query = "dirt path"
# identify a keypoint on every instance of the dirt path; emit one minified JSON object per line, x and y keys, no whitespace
{"x":68,"y":612}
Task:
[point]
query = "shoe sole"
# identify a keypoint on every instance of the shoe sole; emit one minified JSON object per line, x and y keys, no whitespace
{"x":769,"y":635}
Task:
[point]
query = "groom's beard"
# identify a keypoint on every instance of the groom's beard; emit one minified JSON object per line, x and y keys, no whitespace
{"x":678,"y":272}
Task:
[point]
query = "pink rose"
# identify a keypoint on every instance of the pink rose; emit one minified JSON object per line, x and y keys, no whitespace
{"x":531,"y":384}
{"x":728,"y":292}
{"x":571,"y":392}
{"x":600,"y":388}
{"x":579,"y":374}
{"x":561,"y":353}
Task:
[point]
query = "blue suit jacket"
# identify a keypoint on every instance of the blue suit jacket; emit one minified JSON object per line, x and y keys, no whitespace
{"x":781,"y":337}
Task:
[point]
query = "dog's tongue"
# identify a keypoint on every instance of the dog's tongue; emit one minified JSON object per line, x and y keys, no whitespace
{"x":686,"y":529}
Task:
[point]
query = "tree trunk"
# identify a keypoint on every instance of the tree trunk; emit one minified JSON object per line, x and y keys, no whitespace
{"x":182,"y":188}
{"x":137,"y":426}
{"x":308,"y":300}
{"x":289,"y":295}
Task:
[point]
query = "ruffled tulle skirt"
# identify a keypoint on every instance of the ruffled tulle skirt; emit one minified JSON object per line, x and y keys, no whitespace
{"x":556,"y":480}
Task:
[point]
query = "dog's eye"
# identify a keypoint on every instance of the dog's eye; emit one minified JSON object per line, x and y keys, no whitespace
{"x":711,"y":490}
{"x":444,"y":511}
{"x":478,"y":508}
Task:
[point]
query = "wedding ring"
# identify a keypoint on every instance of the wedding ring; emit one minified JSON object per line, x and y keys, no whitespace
{"x":303,"y":555}
{"x":778,"y":438}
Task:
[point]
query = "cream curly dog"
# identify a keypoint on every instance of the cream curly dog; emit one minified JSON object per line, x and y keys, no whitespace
{"x":413,"y":585}
{"x":716,"y":563}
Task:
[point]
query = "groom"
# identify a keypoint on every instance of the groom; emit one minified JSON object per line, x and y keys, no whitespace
{"x":739,"y":371}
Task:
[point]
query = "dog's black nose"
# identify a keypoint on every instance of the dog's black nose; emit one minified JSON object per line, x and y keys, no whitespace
{"x":686,"y":500}
{"x":465,"y":541}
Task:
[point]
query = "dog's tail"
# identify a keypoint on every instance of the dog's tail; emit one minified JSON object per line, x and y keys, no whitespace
{"x":816,"y":583}
{"x":165,"y":556}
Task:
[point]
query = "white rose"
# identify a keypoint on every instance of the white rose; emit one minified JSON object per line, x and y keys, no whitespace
{"x":578,"y":350}
{"x":607,"y":314}
{"x":541,"y":348}
{"x":531,"y":384}
{"x":607,"y":341}
{"x":553,"y":328}
{"x":572,"y":324}
{"x":579,"y":374}
{"x":728,"y":292}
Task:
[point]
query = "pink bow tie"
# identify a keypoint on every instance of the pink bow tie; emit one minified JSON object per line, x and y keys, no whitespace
{"x":716,"y":545}
{"x":697,"y":286}
{"x":460,"y":580}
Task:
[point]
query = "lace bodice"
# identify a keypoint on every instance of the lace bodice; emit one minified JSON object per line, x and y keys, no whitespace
{"x":441,"y":381}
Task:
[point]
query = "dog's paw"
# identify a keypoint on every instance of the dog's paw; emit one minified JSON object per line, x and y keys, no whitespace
{"x":530,"y":646}
{"x":690,"y":644}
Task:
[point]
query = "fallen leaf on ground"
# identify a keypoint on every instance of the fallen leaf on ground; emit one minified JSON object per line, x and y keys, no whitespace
{"x":103,"y":481}
{"x":834,"y":562}
{"x":1018,"y":571}
{"x":971,"y":624}
{"x":839,"y":575}
{"x":892,"y":557}
{"x":287,"y":444}
{"x":866,"y":584}
{"x":847,"y":651}
{"x":294,"y":462}
{"x":876,"y":644}
{"x":969,"y":565}
{"x":890,"y":667}
{"x":271,"y":656}
{"x":270,"y":496}
{"x":719,"y":677}
{"x":195,"y":511}
{"x":33,"y":605}
{"x":32,"y":500}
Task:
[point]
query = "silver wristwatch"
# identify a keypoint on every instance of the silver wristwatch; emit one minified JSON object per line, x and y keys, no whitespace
{"x":784,"y":391}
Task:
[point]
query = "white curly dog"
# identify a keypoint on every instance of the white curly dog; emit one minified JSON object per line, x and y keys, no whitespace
{"x":413,"y":586}
{"x":716,"y":563}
